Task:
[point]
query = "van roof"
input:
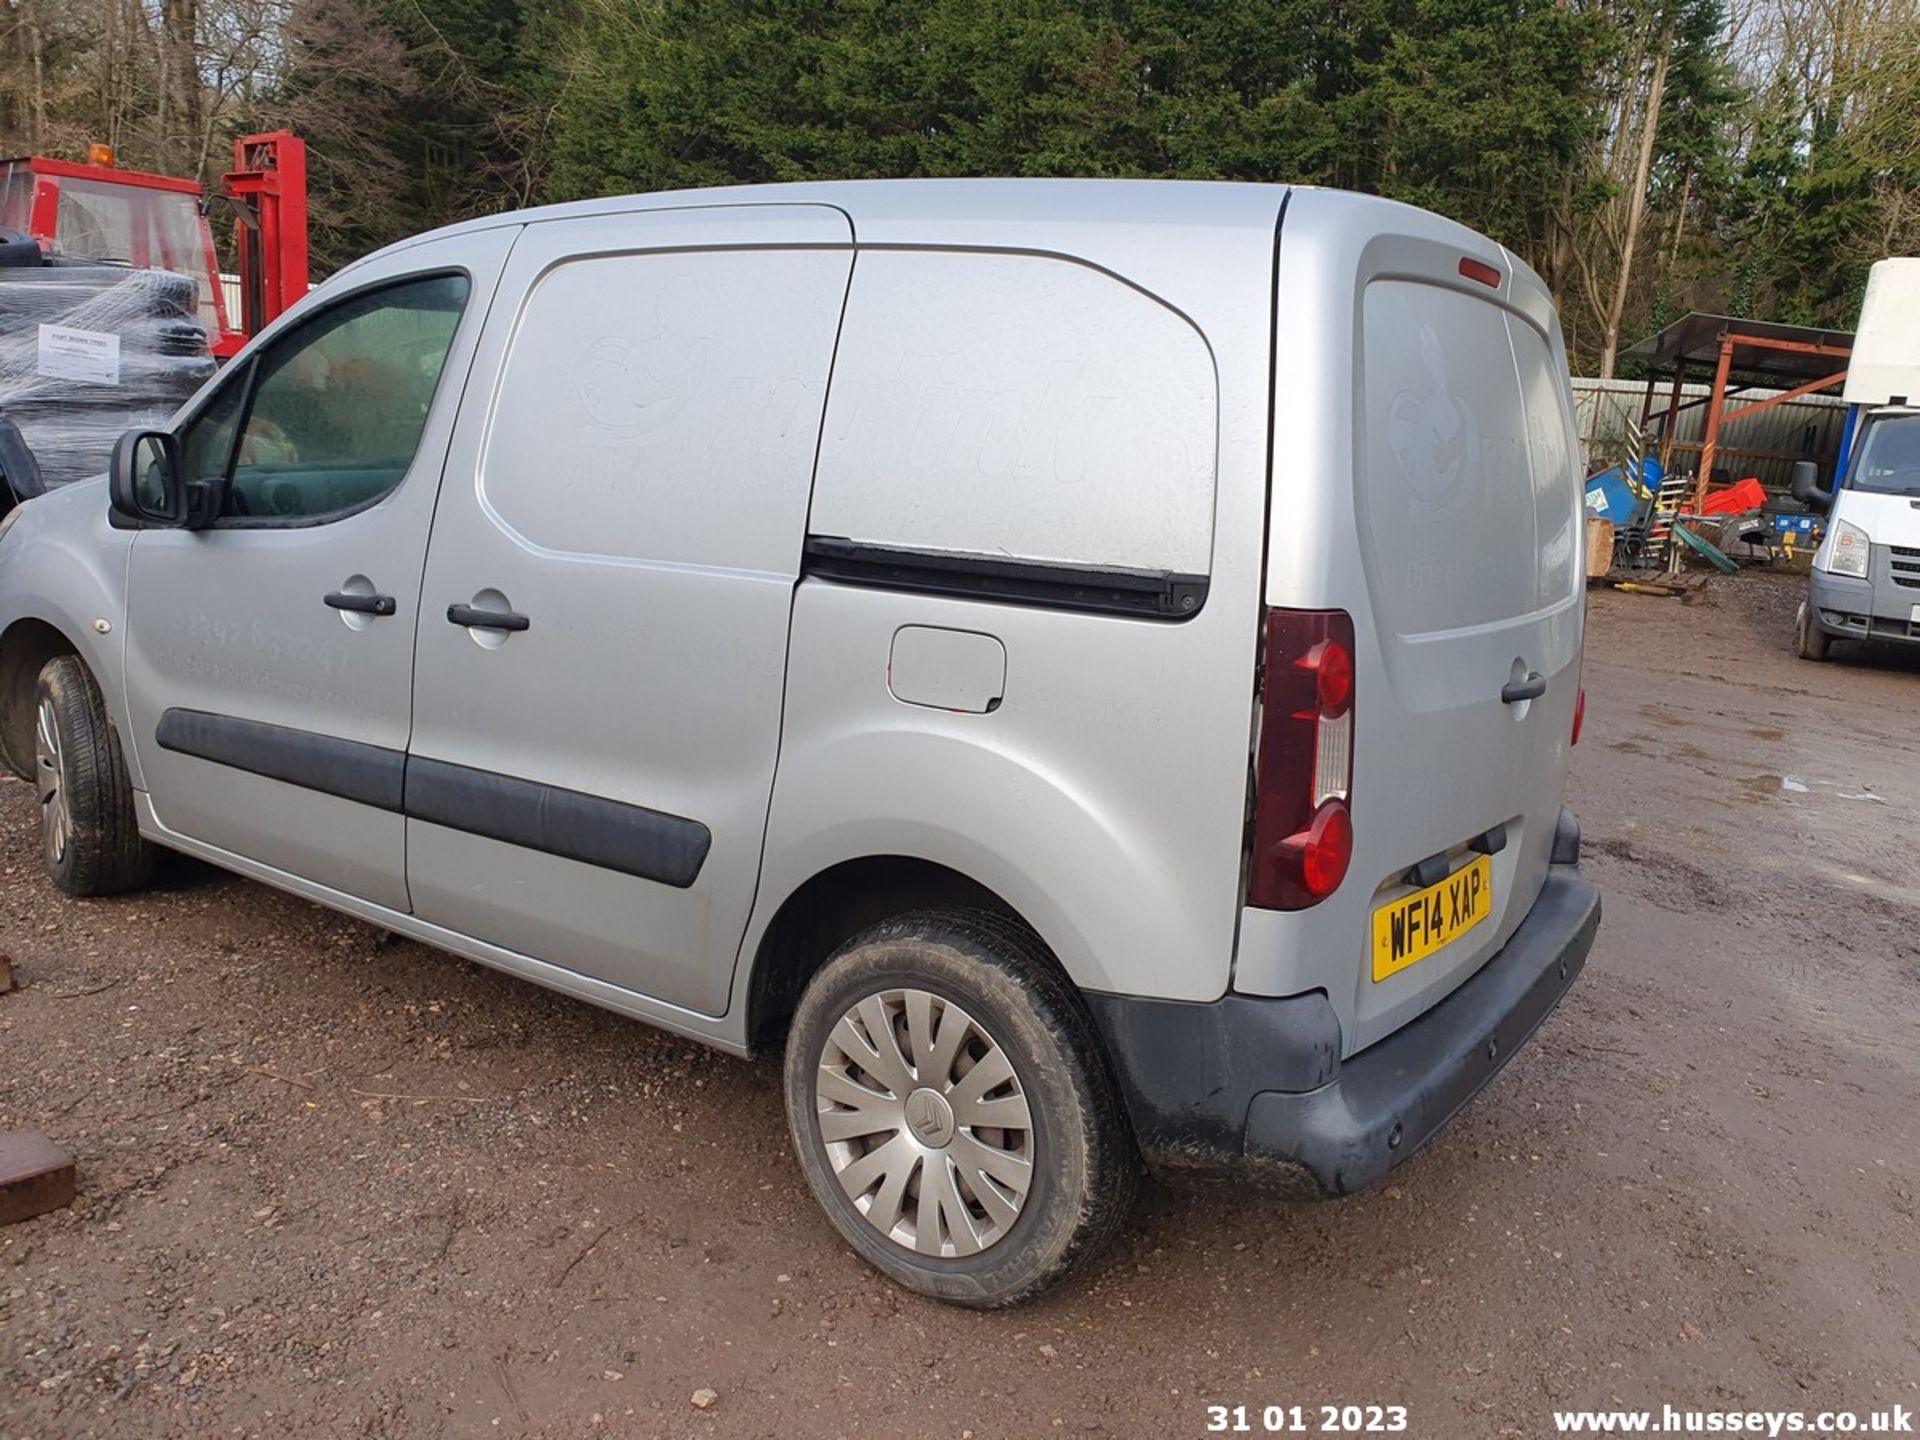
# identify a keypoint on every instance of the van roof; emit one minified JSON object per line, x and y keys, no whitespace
{"x":1185,"y":233}
{"x":893,"y":204}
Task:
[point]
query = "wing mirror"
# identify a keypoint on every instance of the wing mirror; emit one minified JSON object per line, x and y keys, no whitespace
{"x":145,"y":484}
{"x":1805,"y":486}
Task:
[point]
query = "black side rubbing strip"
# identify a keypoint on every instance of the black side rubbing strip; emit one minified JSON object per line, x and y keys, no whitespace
{"x":1108,"y":590}
{"x":370,"y":774}
{"x":616,"y":836}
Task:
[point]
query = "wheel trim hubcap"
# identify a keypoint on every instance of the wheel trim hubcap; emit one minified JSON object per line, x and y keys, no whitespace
{"x":925,"y":1123}
{"x":50,"y":780}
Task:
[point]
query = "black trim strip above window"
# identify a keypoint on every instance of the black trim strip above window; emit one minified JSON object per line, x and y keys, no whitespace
{"x":371,"y":774}
{"x":1106,"y":590}
{"x":575,"y":826}
{"x":632,"y":839}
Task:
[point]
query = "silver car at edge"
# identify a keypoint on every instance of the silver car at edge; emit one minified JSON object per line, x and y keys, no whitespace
{"x":1088,"y":668}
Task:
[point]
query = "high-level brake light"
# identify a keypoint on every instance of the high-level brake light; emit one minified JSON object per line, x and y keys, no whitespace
{"x":1480,"y":270}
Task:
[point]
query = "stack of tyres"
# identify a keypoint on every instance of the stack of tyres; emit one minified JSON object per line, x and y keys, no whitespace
{"x":88,"y":352}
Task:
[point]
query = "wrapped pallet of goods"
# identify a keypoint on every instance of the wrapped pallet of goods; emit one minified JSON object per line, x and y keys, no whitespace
{"x":89,"y":351}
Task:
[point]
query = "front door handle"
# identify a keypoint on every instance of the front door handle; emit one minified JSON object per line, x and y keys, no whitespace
{"x":487,"y":619}
{"x":362,"y":604}
{"x":1531,"y":688}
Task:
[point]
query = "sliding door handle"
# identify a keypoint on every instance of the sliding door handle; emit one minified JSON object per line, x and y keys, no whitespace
{"x":474,"y":619}
{"x":1531,"y":688}
{"x":362,"y":604}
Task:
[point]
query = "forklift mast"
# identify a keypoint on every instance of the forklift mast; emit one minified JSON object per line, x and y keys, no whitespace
{"x":267,"y":188}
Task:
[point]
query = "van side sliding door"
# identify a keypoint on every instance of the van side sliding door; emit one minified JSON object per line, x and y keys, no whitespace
{"x":608,"y":588}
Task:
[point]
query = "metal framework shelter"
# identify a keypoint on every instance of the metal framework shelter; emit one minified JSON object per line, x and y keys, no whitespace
{"x":1738,"y":355}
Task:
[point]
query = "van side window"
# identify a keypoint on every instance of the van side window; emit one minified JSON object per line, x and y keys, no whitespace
{"x":666,"y":406}
{"x":1020,"y":407}
{"x":333,"y":409}
{"x":206,"y":449}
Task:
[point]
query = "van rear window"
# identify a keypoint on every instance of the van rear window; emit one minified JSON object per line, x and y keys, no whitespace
{"x":1018,"y":407}
{"x":1468,"y":484}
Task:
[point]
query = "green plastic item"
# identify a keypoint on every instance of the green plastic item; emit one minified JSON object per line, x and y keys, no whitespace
{"x":1715,"y":556}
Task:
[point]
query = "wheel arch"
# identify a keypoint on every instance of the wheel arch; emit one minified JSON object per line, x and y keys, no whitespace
{"x":833,"y":905}
{"x":25,"y":647}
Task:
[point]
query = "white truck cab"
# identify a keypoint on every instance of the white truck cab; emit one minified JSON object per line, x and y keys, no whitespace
{"x":1866,"y":574}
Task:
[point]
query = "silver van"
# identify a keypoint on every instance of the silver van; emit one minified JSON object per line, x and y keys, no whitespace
{"x":1088,"y":668}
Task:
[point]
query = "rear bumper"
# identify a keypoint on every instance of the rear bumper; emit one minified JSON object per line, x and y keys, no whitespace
{"x":1255,"y":1087}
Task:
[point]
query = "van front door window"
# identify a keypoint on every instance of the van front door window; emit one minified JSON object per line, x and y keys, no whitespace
{"x":338,"y":404}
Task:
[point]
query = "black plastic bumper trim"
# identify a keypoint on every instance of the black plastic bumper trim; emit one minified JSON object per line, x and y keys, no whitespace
{"x":1186,"y":1070}
{"x":1566,"y":840}
{"x":1392,"y":1098}
{"x":1254,"y":1086}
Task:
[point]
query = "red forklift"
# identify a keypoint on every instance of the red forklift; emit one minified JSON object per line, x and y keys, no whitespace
{"x":113,"y":308}
{"x":99,"y":212}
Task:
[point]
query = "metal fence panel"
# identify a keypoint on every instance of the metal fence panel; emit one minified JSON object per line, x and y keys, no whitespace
{"x":1764,"y":445}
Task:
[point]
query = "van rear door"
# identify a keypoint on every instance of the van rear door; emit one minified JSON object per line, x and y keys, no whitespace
{"x":1468,"y":498}
{"x":1460,"y":562}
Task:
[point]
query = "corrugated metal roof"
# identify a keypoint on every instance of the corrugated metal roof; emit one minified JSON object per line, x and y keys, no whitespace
{"x":1695,"y":340}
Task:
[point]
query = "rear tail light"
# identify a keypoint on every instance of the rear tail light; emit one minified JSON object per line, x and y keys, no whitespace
{"x":1579,"y":713}
{"x":1302,"y":831}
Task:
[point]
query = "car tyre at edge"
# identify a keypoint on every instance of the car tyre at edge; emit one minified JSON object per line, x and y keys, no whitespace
{"x":1814,"y":643}
{"x":998,"y":977}
{"x":90,"y":840}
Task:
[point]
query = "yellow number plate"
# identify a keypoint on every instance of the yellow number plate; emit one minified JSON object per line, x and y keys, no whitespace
{"x":1411,"y":928}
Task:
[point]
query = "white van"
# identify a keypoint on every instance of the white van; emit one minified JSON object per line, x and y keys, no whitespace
{"x":1865,"y":580}
{"x":1087,"y":668}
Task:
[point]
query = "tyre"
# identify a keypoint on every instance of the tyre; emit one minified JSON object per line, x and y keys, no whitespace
{"x":89,"y":840}
{"x":1815,"y":643}
{"x":953,"y":1112}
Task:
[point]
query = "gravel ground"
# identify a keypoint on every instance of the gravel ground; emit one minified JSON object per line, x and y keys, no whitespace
{"x":335,"y":1184}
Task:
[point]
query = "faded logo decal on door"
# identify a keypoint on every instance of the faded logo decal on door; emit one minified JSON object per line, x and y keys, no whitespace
{"x":632,"y":389}
{"x":1433,"y":434}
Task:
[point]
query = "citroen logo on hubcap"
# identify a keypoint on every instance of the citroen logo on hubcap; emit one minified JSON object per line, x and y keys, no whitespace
{"x":930,"y":1118}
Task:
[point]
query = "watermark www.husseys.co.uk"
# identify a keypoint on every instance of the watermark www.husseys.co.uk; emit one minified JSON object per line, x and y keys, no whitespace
{"x":1771,"y":1423}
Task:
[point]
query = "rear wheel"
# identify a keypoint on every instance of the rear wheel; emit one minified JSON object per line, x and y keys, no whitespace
{"x":1815,"y":643}
{"x":952,"y":1110}
{"x":89,"y":839}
